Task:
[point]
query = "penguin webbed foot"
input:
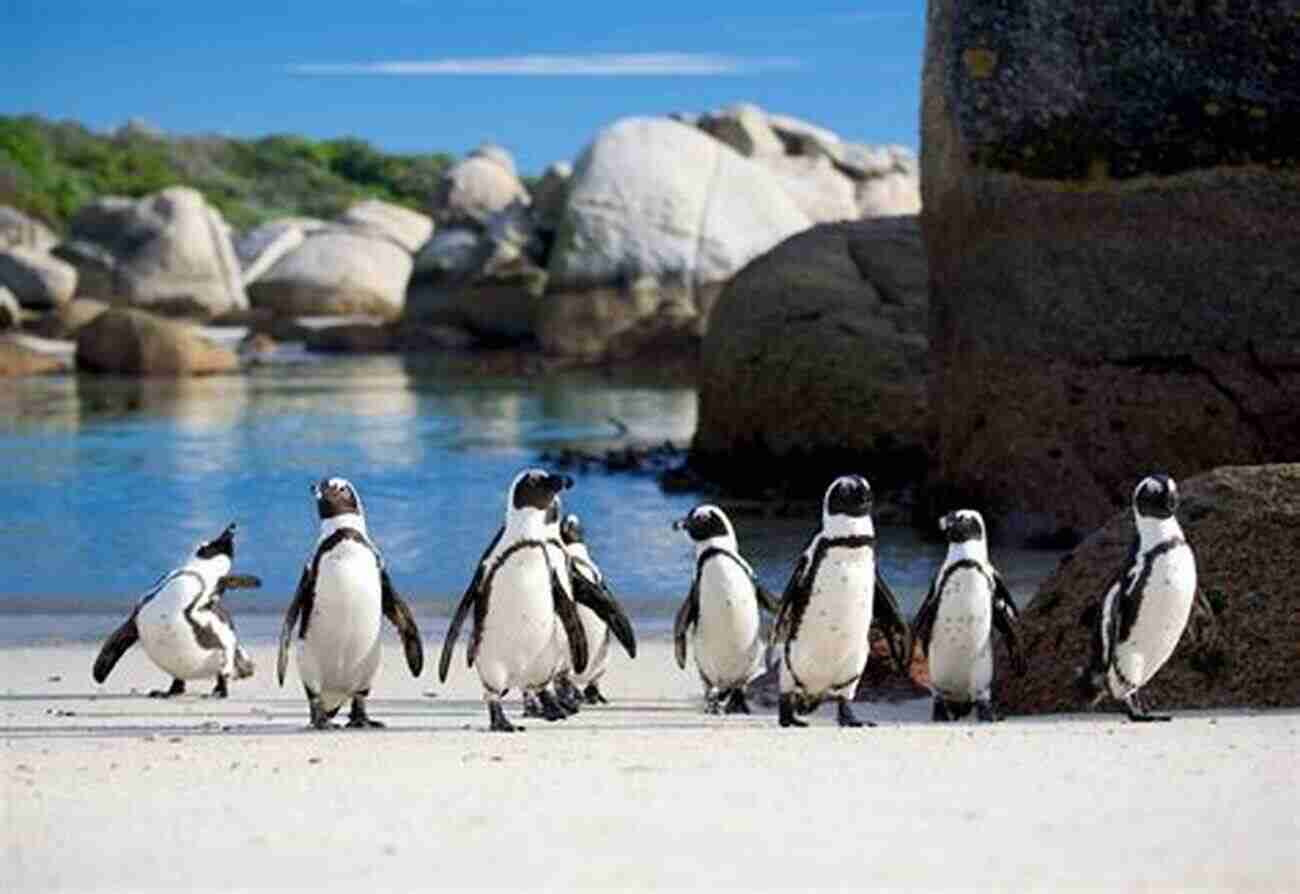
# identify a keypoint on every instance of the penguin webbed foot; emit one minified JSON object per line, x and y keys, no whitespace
{"x":177,"y":688}
{"x":552,"y":710}
{"x":786,"y":712}
{"x":320,"y":718}
{"x":498,"y":722}
{"x":1139,"y":713}
{"x":736,"y":703}
{"x":845,"y":717}
{"x":593,"y":696}
{"x":568,"y":696}
{"x":940,"y":713}
{"x":532,"y":707}
{"x":712,"y":702}
{"x":222,"y":689}
{"x":986,"y":713}
{"x":359,"y":719}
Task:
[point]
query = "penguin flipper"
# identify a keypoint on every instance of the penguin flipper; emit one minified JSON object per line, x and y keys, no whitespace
{"x":686,"y":616}
{"x":468,"y":601}
{"x":766,"y":600}
{"x":794,"y":601}
{"x":923,"y":623}
{"x":1005,"y":619}
{"x":299,"y":606}
{"x":115,"y":647}
{"x":399,"y":613}
{"x":599,"y":599}
{"x":567,"y":611}
{"x":897,"y":634}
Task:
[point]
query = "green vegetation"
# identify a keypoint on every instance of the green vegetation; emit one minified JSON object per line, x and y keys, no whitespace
{"x":49,"y":169}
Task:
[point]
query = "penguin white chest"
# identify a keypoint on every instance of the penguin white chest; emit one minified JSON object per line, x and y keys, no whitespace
{"x":961,"y":642}
{"x":518,"y":645}
{"x":728,"y":647}
{"x":341,"y":651}
{"x":1166,"y":605}
{"x":830,"y":647}
{"x":168,"y":637}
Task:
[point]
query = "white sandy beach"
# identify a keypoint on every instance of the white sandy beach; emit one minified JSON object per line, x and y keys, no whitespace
{"x":108,"y":790}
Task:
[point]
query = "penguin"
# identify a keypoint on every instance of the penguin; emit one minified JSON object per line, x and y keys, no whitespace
{"x":183,"y":625}
{"x":967,"y":599}
{"x":1146,"y":606}
{"x":523,"y":600}
{"x":586,"y":573}
{"x":343,"y":593}
{"x":559,"y":692}
{"x":834,"y":594}
{"x":721,"y":613}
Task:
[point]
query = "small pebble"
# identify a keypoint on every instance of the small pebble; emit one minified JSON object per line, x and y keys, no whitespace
{"x":313,"y":760}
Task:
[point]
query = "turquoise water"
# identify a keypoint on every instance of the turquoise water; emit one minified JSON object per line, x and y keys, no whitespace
{"x":106,"y":483}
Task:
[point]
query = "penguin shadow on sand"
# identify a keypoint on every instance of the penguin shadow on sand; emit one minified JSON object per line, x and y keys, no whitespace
{"x":183,"y":624}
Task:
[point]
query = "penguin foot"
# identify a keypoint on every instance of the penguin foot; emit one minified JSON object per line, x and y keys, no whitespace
{"x":532,"y":707}
{"x":1138,"y":712}
{"x":593,"y":696}
{"x":177,"y":688}
{"x":221,"y":690}
{"x":736,"y":703}
{"x":845,"y":717}
{"x":985,"y":712}
{"x":568,"y":696}
{"x":359,"y":719}
{"x":552,"y":710}
{"x":498,"y":722}
{"x":940,"y":713}
{"x":785,"y":712}
{"x":712,"y":704}
{"x":320,"y":718}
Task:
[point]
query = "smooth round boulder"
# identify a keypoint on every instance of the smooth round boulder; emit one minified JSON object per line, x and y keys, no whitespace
{"x":336,"y":272}
{"x":169,"y":252}
{"x":409,"y":229}
{"x":38,"y":280}
{"x":475,"y":188}
{"x":815,"y":360}
{"x":1110,"y":208}
{"x":17,"y":228}
{"x":136,"y":343}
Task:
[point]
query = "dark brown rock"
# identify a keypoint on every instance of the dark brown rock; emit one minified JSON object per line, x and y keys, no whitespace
{"x":351,"y":338}
{"x":815,"y":357}
{"x":1111,"y":196}
{"x":1243,"y":523}
{"x":132,"y":342}
{"x":66,"y":321}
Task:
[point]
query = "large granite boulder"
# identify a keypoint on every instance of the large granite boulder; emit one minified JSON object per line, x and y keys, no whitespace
{"x":1243,"y":523}
{"x":816,"y":360}
{"x":476,"y":187}
{"x":169,"y":252}
{"x":336,"y":271}
{"x":1110,"y":208}
{"x":659,"y":214}
{"x":407,"y":228}
{"x":17,"y":228}
{"x":259,"y":248}
{"x":743,"y":127}
{"x":814,"y":184}
{"x":39,"y":280}
{"x":133,"y":342}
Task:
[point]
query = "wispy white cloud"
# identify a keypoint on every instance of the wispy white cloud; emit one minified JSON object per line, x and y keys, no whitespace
{"x":595,"y":64}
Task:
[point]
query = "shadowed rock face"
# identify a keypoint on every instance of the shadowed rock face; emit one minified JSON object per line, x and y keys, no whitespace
{"x":815,"y":357}
{"x":1110,"y":205}
{"x":1243,"y":524}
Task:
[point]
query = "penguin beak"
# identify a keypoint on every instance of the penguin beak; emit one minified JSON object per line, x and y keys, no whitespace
{"x":559,"y":482}
{"x":315,"y":489}
{"x":680,"y":524}
{"x":946,"y":521}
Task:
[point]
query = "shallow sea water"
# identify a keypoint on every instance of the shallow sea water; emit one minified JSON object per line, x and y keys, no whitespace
{"x":106,"y":483}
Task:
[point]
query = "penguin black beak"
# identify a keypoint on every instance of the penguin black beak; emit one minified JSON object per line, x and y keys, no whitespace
{"x":315,"y":489}
{"x":680,"y":523}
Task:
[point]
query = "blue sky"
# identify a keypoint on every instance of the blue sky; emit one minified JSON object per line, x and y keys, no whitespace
{"x":437,"y":75}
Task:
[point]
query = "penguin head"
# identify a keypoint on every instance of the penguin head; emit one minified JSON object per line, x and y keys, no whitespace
{"x":336,"y":496}
{"x":571,"y":529}
{"x":848,"y":495}
{"x":1156,"y":496}
{"x":538,"y":489}
{"x":221,"y":545}
{"x":705,"y":522}
{"x":962,"y":525}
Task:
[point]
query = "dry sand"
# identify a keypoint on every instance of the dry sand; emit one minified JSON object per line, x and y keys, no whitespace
{"x":103,"y":789}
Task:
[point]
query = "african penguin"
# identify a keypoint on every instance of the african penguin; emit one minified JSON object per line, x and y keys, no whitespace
{"x":521,"y":596}
{"x":826,"y":613}
{"x":183,"y":625}
{"x":1146,"y":607}
{"x":343,"y":594}
{"x":720,"y":614}
{"x":966,"y":601}
{"x":587,"y":574}
{"x":559,"y":698}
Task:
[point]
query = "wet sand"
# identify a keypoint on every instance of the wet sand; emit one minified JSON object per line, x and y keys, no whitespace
{"x":105,"y":789}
